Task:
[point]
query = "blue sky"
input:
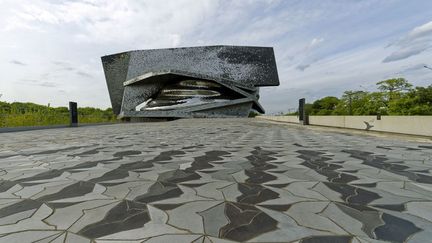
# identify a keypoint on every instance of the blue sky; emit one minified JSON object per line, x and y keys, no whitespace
{"x":50,"y":50}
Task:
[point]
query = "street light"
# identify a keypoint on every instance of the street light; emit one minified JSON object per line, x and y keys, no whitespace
{"x":427,"y":67}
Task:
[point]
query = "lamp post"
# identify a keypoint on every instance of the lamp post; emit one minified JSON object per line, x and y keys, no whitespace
{"x":427,"y":67}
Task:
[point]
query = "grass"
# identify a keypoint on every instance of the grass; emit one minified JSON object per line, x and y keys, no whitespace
{"x":41,"y":119}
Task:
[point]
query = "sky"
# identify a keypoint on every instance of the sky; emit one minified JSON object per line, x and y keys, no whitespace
{"x":50,"y":49}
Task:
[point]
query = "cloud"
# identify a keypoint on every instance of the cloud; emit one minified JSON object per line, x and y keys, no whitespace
{"x":303,"y":67}
{"x":25,"y":80}
{"x":419,"y":32}
{"x":60,"y":63}
{"x":316,"y":43}
{"x":413,"y":68}
{"x":35,"y":82}
{"x":84,"y":74}
{"x":66,"y":66}
{"x":47,"y":84}
{"x":414,"y":43}
{"x":406,"y":52}
{"x":307,"y":53}
{"x":16,"y":62}
{"x":102,"y":21}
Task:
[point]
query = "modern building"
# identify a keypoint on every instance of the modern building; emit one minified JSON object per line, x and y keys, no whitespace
{"x":207,"y":81}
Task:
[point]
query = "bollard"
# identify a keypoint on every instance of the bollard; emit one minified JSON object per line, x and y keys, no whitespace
{"x":301,"y":109}
{"x":73,"y":112}
{"x":303,"y":117}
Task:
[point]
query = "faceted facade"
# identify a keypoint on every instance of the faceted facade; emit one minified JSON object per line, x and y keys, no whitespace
{"x":208,"y":81}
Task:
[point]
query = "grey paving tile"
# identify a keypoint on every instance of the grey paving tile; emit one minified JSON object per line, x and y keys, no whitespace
{"x":30,"y":236}
{"x":191,"y":211}
{"x":307,"y":214}
{"x":231,"y":179}
{"x":420,"y":209}
{"x":74,"y":238}
{"x":174,"y":238}
{"x":90,"y":215}
{"x":214,"y":218}
{"x":14,"y":218}
{"x":287,"y":229}
{"x":74,"y":212}
{"x":304,"y":189}
{"x":149,"y":230}
{"x":348,"y":223}
{"x":33,"y":223}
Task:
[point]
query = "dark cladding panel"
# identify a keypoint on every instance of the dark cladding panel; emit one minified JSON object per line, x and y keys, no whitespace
{"x":115,"y":68}
{"x":248,"y":66}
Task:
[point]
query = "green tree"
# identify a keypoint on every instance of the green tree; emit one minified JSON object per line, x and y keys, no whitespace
{"x":351,"y":103}
{"x":324,"y":106}
{"x":396,"y":97}
{"x":308,"y":108}
{"x":418,"y":101}
{"x":394,"y":87}
{"x":375,"y":103}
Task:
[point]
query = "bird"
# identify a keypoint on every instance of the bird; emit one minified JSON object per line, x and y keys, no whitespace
{"x":368,"y":126}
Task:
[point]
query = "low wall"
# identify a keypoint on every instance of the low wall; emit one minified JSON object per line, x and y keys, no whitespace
{"x":414,"y":125}
{"x":290,"y":119}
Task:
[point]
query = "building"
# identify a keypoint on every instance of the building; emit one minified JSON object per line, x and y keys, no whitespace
{"x":207,"y":81}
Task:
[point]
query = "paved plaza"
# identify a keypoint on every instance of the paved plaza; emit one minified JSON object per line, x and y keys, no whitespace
{"x":214,"y":180}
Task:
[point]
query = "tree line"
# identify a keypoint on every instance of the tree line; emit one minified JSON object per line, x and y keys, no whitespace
{"x":394,"y":97}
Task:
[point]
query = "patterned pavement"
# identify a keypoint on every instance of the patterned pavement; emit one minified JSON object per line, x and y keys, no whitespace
{"x":215,"y":180}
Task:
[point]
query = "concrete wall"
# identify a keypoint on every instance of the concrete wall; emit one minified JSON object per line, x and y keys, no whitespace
{"x":415,"y":125}
{"x":290,"y":119}
{"x":330,"y":121}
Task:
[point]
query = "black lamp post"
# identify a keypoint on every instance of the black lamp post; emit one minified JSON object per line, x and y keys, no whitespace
{"x":427,"y":67}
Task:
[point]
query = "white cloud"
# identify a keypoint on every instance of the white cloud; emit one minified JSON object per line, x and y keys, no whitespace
{"x":33,"y":82}
{"x":424,"y":30}
{"x":414,"y":43}
{"x":102,"y":21}
{"x":307,"y":53}
{"x":352,"y":70}
{"x":315,"y":42}
{"x":321,"y":46}
{"x":16,"y":62}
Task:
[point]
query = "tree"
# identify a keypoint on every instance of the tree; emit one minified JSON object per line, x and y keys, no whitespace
{"x":324,"y":106}
{"x":396,"y":97}
{"x":424,"y":95}
{"x":418,"y":101}
{"x":375,"y":104}
{"x":351,"y":103}
{"x":393,"y":87}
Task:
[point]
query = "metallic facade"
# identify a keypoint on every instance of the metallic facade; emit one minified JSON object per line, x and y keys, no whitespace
{"x":208,"y":81}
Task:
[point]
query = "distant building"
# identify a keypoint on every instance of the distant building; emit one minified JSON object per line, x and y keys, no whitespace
{"x":208,"y":81}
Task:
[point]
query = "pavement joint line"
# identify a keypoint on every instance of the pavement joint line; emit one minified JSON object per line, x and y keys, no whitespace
{"x":251,"y":181}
